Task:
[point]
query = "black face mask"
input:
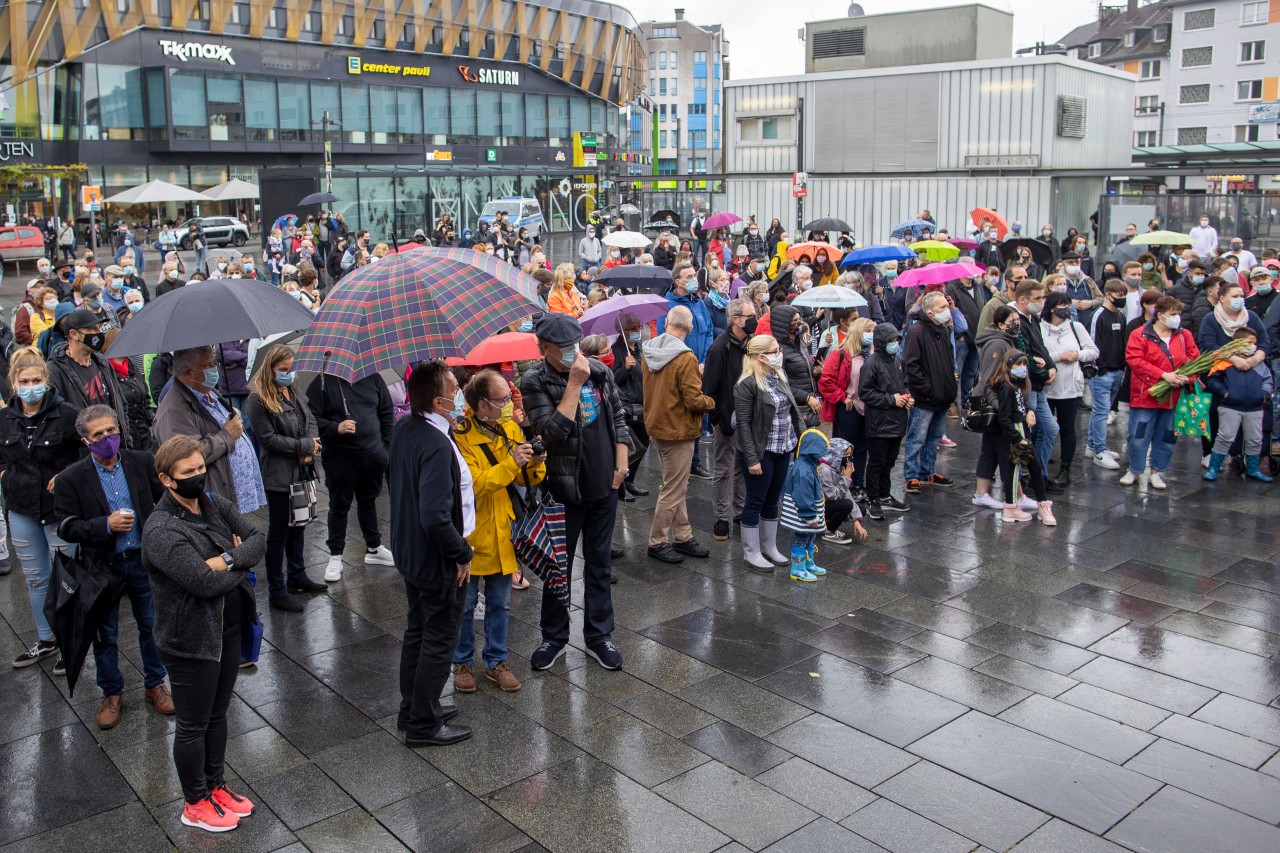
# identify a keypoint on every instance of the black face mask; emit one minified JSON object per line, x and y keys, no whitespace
{"x":95,"y":341}
{"x":750,"y":325}
{"x":190,"y":487}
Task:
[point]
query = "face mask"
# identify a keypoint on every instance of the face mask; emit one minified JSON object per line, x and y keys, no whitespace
{"x":172,"y":275}
{"x":135,"y":307}
{"x":1046,"y":233}
{"x":717,"y":299}
{"x":1204,"y":223}
{"x":753,"y":232}
{"x":774,"y":360}
{"x":1182,"y":263}
{"x":591,"y":232}
{"x":106,"y":447}
{"x":1236,"y":303}
{"x":210,"y":377}
{"x":993,"y":280}
{"x":248,"y":268}
{"x":1148,"y":267}
{"x":634,"y":337}
{"x":606,"y":359}
{"x":892,"y":347}
{"x":1082,"y":249}
{"x":891,"y":274}
{"x":568,"y":354}
{"x":1017,"y":229}
{"x":1173,"y":321}
{"x":1133,"y":281}
{"x":507,"y":412}
{"x":128,"y":270}
{"x":459,"y":405}
{"x":31,"y":393}
{"x":43,"y":271}
{"x":749,"y":325}
{"x":128,"y":242}
{"x":822,"y":259}
{"x":51,"y":304}
{"x":1062,"y":313}
{"x":93,"y":276}
{"x":1019,"y":372}
{"x":222,"y":267}
{"x":1235,"y":247}
{"x":615,"y":254}
{"x":941,"y":317}
{"x":765,"y":298}
{"x":1035,"y":307}
{"x":1264,"y":289}
{"x":1071,"y":270}
{"x":93,"y":304}
{"x":297,"y":294}
{"x":237,"y":275}
{"x":1012,"y":328}
{"x":95,"y":341}
{"x":285,"y":378}
{"x":1197,"y":279}
{"x":114,"y":285}
{"x":1249,"y":350}
{"x":190,"y":488}
{"x":867,"y":338}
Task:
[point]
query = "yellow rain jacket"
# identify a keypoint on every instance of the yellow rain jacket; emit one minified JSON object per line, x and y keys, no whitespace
{"x":779,"y":258}
{"x":491,"y":541}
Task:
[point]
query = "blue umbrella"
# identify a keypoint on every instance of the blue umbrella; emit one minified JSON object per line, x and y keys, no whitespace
{"x":875,"y":255}
{"x":915,"y":226}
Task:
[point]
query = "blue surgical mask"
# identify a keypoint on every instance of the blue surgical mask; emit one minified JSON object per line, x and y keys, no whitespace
{"x":31,"y":394}
{"x":1236,"y":303}
{"x":135,"y":307}
{"x":892,"y":347}
{"x":1019,"y":372}
{"x":1197,"y":280}
{"x":1264,"y":289}
{"x":526,"y":325}
{"x":1148,"y":267}
{"x":459,"y":405}
{"x":634,"y":337}
{"x":568,"y":354}
{"x":867,"y":338}
{"x":285,"y":378}
{"x":891,"y":274}
{"x":210,"y":376}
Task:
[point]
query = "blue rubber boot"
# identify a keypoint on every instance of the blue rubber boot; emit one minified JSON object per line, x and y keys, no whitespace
{"x":1215,"y":466}
{"x":810,"y":553}
{"x":800,"y":565}
{"x":1253,"y":470}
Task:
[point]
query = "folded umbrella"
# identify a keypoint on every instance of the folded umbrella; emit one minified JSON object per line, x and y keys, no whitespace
{"x":538,"y":536}
{"x":938,"y":274}
{"x":1162,"y":238}
{"x":412,"y":307}
{"x":508,"y":346}
{"x":913,"y":227}
{"x":626,"y":240}
{"x":224,"y":309}
{"x":609,"y":316}
{"x":876,"y":254}
{"x":834,"y":254}
{"x":828,"y":223}
{"x":1040,"y":251}
{"x":720,"y":220}
{"x":935,"y":250}
{"x":830,"y":296}
{"x":985,"y":215}
{"x":636,"y":277}
{"x":318,"y":198}
{"x":80,"y":597}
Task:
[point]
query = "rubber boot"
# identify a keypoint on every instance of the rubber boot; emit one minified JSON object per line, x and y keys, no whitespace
{"x":814,"y":568}
{"x":769,"y":541}
{"x":751,"y":550}
{"x":1215,"y":465}
{"x":799,"y":565}
{"x":1253,"y":470}
{"x":1064,"y":476}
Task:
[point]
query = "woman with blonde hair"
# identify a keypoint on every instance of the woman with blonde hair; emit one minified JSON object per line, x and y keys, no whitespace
{"x":379,"y":252}
{"x":564,"y":297}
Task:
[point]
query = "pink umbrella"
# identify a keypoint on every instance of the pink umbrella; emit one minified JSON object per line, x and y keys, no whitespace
{"x":721,"y":220}
{"x":938,"y":274}
{"x":964,"y":244}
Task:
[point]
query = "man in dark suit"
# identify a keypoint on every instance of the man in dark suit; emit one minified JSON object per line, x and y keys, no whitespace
{"x":428,"y":539}
{"x":101,"y":503}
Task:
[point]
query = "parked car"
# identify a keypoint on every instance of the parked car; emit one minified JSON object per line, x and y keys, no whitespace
{"x":20,"y":243}
{"x":218,"y":230}
{"x":521,"y":213}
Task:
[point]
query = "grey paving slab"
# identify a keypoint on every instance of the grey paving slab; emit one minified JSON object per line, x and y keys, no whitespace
{"x":982,"y":692}
{"x":844,"y":751}
{"x":1076,"y":727}
{"x":1242,"y":717}
{"x":128,"y":827}
{"x":949,"y":649}
{"x":1059,"y":620}
{"x":735,"y":646}
{"x":377,"y":770}
{"x":741,"y":808}
{"x":1174,"y":821}
{"x":748,"y":706}
{"x":354,"y":829}
{"x":1026,"y":675}
{"x":1032,"y":648}
{"x":818,"y":789}
{"x":449,"y":818}
{"x":1146,"y":685}
{"x":823,"y":836}
{"x":1222,"y":632}
{"x":941,"y":618}
{"x":646,"y":754}
{"x":1122,"y":709}
{"x":864,"y":648}
{"x":1057,"y":836}
{"x":1211,"y":777}
{"x":737,"y":748}
{"x":901,"y":831}
{"x":669,"y":713}
{"x":1220,"y":742}
{"x":302,"y":796}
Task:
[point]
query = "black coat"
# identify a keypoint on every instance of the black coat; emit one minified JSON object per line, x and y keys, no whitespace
{"x":929,"y":359}
{"x":970,"y":304}
{"x":25,"y":473}
{"x":137,"y":402}
{"x":367,"y":402}
{"x":720,"y":374}
{"x":65,"y":380}
{"x":630,"y":379}
{"x":1011,"y":412}
{"x":882,"y":377}
{"x":426,"y":527}
{"x":795,"y":360}
{"x":282,"y":439}
{"x":80,"y":504}
{"x":1031,"y":343}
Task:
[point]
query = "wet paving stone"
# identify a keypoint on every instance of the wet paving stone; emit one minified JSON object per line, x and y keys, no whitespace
{"x":1120,"y":604}
{"x":1211,"y":777}
{"x":730,"y":644}
{"x":1076,"y":727}
{"x":820,"y":790}
{"x":982,"y":692}
{"x":1220,"y":742}
{"x":1174,"y":821}
{"x":1172,"y":694}
{"x":743,"y":809}
{"x":844,"y":751}
{"x":901,"y":831}
{"x":1242,"y":717}
{"x":1057,"y":620}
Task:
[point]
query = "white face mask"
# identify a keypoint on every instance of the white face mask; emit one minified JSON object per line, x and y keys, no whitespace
{"x":172,"y":275}
{"x":774,"y":360}
{"x":1071,"y":270}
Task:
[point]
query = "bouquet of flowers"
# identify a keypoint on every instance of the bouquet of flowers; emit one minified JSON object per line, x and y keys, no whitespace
{"x":1200,"y":365}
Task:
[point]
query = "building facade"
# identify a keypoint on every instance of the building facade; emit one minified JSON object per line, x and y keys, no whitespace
{"x":688,"y":66}
{"x":899,"y":39}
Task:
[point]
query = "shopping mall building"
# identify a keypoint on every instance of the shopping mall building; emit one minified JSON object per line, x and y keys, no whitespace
{"x":439,"y":106}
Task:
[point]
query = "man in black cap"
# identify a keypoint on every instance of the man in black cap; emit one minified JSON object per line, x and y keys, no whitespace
{"x":754,"y":269}
{"x":80,"y":373}
{"x":574,"y":407}
{"x":91,"y":301}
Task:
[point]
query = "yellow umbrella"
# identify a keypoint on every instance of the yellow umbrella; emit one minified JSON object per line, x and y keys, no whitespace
{"x":935,"y":250}
{"x":1162,"y":238}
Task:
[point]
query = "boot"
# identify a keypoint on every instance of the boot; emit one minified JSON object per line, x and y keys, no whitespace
{"x":751,"y":550}
{"x":1215,"y":465}
{"x":813,"y":568}
{"x":769,"y":541}
{"x":1253,"y":470}
{"x":1045,"y":511}
{"x":1064,"y":476}
{"x":799,"y":565}
{"x":1012,"y":514}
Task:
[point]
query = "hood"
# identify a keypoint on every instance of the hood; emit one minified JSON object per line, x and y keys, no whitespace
{"x":836,"y":449}
{"x":662,"y":350}
{"x":780,"y":317}
{"x":991,"y":333}
{"x":884,"y":333}
{"x":812,"y":446}
{"x":781,"y":251}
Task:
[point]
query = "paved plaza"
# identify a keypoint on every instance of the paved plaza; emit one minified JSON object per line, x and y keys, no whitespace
{"x":954,"y":684}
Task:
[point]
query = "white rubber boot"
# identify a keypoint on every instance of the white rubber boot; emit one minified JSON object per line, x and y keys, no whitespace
{"x":769,"y":542}
{"x":751,"y":549}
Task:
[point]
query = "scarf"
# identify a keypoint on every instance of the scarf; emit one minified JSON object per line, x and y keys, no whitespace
{"x":1228,"y":325}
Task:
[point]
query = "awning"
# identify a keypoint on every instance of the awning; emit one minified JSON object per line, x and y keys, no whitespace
{"x":1229,"y":156}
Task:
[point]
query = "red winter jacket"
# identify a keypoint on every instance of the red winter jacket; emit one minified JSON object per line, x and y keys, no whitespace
{"x":834,"y":382}
{"x":1149,"y":358}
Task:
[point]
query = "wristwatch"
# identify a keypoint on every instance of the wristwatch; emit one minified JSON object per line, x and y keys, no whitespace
{"x":622,"y":471}
{"x":228,"y":559}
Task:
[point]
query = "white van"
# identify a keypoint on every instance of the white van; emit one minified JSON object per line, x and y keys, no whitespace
{"x":521,"y":213}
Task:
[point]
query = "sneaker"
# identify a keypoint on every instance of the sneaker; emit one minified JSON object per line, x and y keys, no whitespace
{"x":1128,"y":478}
{"x":231,"y":801}
{"x":986,"y":502}
{"x":941,"y":481}
{"x":333,"y":569}
{"x":545,"y":655}
{"x":606,"y":654}
{"x":1113,"y":454}
{"x":479,"y":614}
{"x":912,"y":487}
{"x":1026,"y":503}
{"x":60,"y":666}
{"x":501,"y":676}
{"x":720,"y":532}
{"x":1157,"y":482}
{"x":838,"y":537}
{"x":209,"y":816}
{"x":38,"y":652}
{"x":892,"y":504}
{"x":1111,"y":418}
{"x":464,"y":678}
{"x":697,"y":472}
{"x":860,"y":496}
{"x":946,"y":442}
{"x":874,"y":512}
{"x":379,"y":556}
{"x":691,"y":548}
{"x":1102,"y":460}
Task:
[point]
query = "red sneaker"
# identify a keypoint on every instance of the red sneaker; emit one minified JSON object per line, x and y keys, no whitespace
{"x":231,"y":802}
{"x":209,"y":816}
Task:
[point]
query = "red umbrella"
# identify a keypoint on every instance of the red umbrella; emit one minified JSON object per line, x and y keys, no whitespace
{"x":979,"y":215}
{"x":508,"y":346}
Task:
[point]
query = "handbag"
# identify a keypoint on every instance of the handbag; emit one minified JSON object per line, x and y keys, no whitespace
{"x":250,"y":628}
{"x":979,"y":414}
{"x":1191,"y":418}
{"x":1087,"y":369}
{"x":302,"y":498}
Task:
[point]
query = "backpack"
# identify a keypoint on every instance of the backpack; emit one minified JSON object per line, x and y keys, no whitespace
{"x":698,"y":230}
{"x":979,"y":414}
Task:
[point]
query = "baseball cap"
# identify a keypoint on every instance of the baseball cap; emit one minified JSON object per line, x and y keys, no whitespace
{"x":558,"y":329}
{"x":90,"y":290}
{"x":82,"y":318}
{"x":1259,"y":271}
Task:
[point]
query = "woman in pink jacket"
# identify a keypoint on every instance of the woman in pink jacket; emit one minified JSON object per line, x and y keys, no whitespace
{"x":841,"y":405}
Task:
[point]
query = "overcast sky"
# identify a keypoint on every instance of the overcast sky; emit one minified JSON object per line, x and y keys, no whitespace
{"x":764,"y":43}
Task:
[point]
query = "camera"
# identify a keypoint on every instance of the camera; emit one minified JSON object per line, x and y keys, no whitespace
{"x":538,"y":447}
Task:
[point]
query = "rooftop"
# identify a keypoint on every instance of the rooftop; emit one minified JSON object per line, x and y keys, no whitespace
{"x":1113,"y":25}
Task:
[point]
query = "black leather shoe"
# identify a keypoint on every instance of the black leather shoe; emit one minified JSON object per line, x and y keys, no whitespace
{"x":447,"y":712}
{"x":287,"y":603}
{"x":624,"y":497}
{"x":1053,"y":488}
{"x":444,"y":736}
{"x":636,"y":490}
{"x":666,"y":554}
{"x":691,"y":548}
{"x":306,"y":584}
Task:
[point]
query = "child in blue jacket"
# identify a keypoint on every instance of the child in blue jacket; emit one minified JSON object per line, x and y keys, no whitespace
{"x":1241,"y":396}
{"x":804,"y":507}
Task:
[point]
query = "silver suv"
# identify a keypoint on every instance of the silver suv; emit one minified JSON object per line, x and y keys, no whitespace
{"x":218,"y":231}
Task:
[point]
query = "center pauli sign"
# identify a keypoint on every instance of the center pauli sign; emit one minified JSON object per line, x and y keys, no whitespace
{"x":357,"y":66}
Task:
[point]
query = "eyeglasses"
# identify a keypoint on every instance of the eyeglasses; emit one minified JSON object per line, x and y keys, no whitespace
{"x":498,"y":404}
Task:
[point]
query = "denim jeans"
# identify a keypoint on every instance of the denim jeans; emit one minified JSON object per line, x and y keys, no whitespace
{"x":34,"y":546}
{"x":1104,"y":387}
{"x":497,"y":612}
{"x":1150,"y":429}
{"x":106,"y":654}
{"x":764,"y":490}
{"x":1046,"y":430}
{"x":924,"y":430}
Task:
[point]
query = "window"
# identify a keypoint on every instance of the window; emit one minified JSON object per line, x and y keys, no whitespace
{"x":1253,"y":51}
{"x":1197,"y":93}
{"x":697,"y":139}
{"x":775,"y":128}
{"x":1095,"y":49}
{"x":1249,"y":90}
{"x":1160,"y":35}
{"x":674,"y":81}
{"x":1147,"y":105}
{"x":699,"y":56}
{"x":662,"y":33}
{"x":1197,"y":57}
{"x":699,"y":84}
{"x":662,"y":139}
{"x":835,"y":43}
{"x":653,"y":61}
{"x":697,"y":109}
{"x":1253,"y":13}
{"x":662,"y":112}
{"x":662,"y":60}
{"x":1130,"y":38}
{"x":1150,"y":69}
{"x":1192,"y":135}
{"x":1144,"y":139}
{"x":1247,"y":132}
{"x":662,"y":85}
{"x":1198,"y":19}
{"x":674,"y":56}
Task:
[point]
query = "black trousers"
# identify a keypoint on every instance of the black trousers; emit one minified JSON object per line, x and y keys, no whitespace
{"x":593,"y":523}
{"x":882,"y":455}
{"x":640,"y":436}
{"x":1064,"y":412}
{"x":358,"y":477}
{"x":999,"y":445}
{"x":430,"y":636}
{"x":838,"y":513}
{"x":283,"y":543}
{"x":201,"y":695}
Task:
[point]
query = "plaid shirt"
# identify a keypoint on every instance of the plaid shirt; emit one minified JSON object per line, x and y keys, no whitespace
{"x":782,"y":437}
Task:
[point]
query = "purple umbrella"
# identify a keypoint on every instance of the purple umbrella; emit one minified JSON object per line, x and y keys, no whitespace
{"x":606,"y":318}
{"x":938,"y":274}
{"x":721,"y":220}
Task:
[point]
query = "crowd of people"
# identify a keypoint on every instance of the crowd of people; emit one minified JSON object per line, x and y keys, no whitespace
{"x":149,"y":469}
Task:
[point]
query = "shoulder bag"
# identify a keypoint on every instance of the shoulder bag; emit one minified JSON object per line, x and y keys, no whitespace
{"x":1089,"y":369}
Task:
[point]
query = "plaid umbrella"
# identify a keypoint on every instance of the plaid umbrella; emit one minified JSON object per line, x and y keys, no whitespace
{"x":539,"y":539}
{"x":414,"y":306}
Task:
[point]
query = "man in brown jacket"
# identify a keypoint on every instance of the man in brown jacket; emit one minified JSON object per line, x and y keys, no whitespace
{"x":673,"y":408}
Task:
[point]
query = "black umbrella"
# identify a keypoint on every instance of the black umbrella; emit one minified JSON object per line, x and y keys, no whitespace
{"x":780,"y":286}
{"x":224,"y":309}
{"x":664,"y":215}
{"x":79,"y":600}
{"x":318,"y":198}
{"x":637,"y":277}
{"x":828,"y":223}
{"x":1040,"y":251}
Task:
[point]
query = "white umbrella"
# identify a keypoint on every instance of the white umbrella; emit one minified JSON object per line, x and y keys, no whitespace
{"x":626,"y":240}
{"x":228,"y":190}
{"x":830,"y":296}
{"x":155,"y":191}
